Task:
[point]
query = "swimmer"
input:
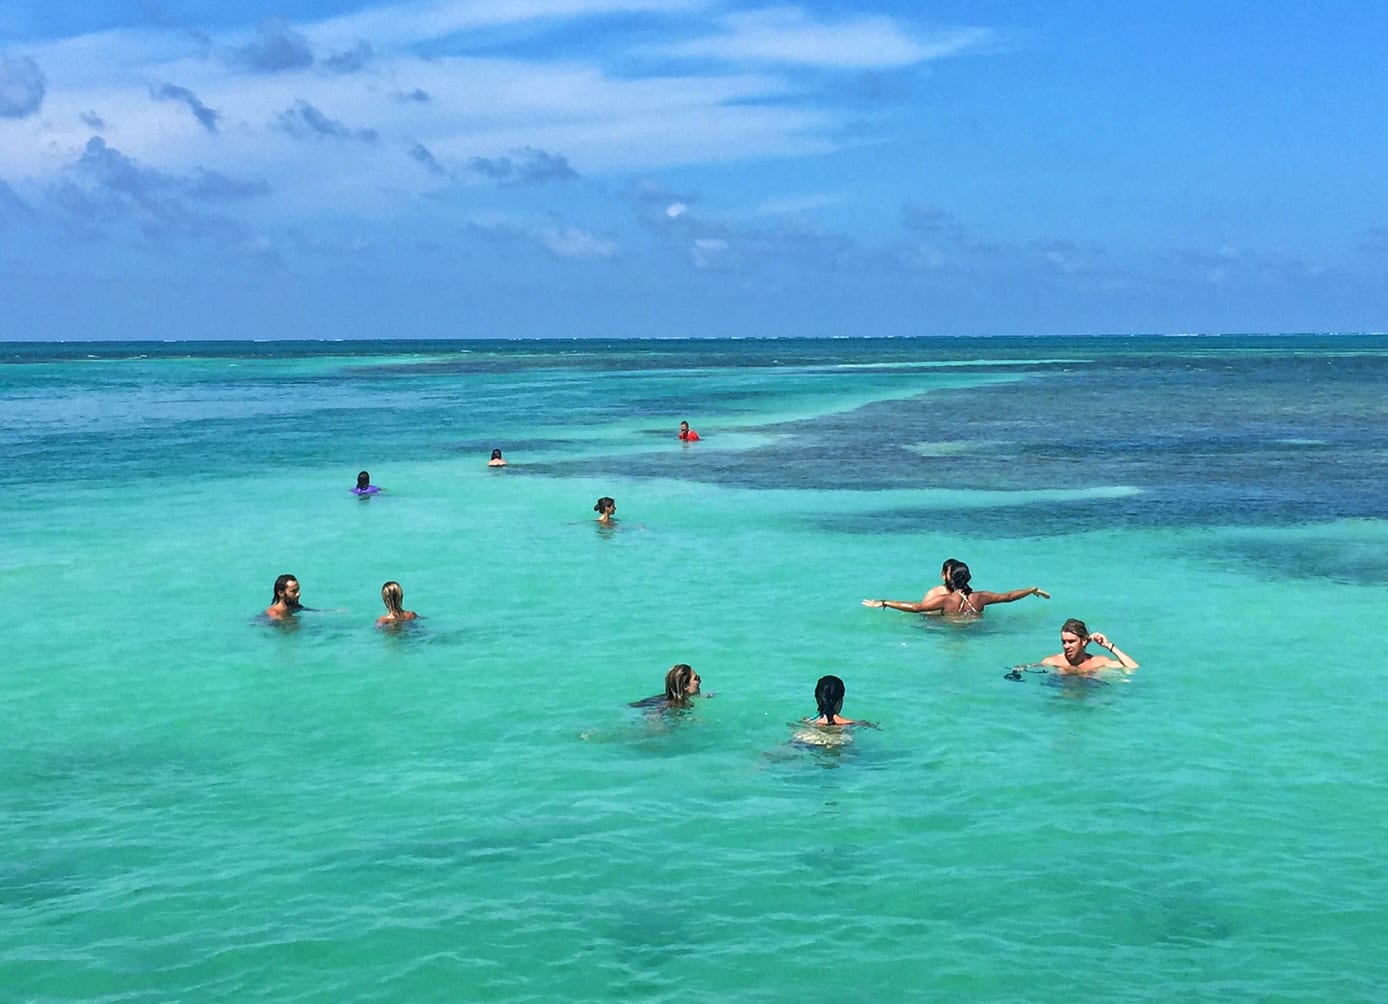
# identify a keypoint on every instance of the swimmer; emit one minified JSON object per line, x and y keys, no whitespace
{"x":828,"y":695}
{"x":394,"y":597}
{"x":285,"y":602}
{"x":364,"y":485}
{"x":497,"y":460}
{"x":687,"y":434}
{"x":961,"y":600}
{"x":681,"y":683}
{"x":946,"y":570}
{"x":1072,"y":658}
{"x":605,"y":507}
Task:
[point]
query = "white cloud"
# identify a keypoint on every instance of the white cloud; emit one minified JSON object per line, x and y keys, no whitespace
{"x":403,"y":24}
{"x":571,"y":242}
{"x":786,"y":35}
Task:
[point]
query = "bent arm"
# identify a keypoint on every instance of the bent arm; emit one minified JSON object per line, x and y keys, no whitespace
{"x":1124,"y":661}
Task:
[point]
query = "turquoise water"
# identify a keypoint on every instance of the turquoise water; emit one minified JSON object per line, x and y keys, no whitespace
{"x":197,"y":806}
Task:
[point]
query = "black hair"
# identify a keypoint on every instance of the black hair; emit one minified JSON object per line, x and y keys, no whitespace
{"x":828,"y":694}
{"x":363,"y":479}
{"x":606,"y":502}
{"x":280,"y":583}
{"x":496,"y":454}
{"x":959,"y":579}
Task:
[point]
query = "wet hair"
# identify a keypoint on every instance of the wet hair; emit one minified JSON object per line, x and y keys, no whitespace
{"x":363,"y":479}
{"x":947,"y":570}
{"x":604,"y":503}
{"x":959,"y":577}
{"x":1075,"y":626}
{"x":393,"y":597}
{"x":280,"y":583}
{"x":677,"y":681}
{"x":496,"y":454}
{"x":828,"y":694}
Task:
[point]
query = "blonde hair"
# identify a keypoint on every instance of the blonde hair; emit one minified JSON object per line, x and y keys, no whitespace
{"x":393,"y":597}
{"x":677,"y":681}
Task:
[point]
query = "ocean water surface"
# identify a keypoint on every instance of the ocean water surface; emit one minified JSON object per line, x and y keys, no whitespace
{"x":196,"y":805}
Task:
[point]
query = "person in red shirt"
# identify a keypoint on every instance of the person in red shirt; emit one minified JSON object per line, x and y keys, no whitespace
{"x":687,"y":434}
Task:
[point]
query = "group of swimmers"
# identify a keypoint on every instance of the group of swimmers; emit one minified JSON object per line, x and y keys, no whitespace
{"x":285,"y":602}
{"x":954,"y":598}
{"x":682,"y":685}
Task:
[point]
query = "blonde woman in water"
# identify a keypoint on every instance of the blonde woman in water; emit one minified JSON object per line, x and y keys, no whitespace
{"x":394,"y":598}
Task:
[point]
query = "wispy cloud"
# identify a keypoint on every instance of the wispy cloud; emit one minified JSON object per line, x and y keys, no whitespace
{"x":22,"y":86}
{"x":104,"y":186}
{"x":277,"y":48}
{"x":558,"y":240}
{"x":574,"y":243}
{"x":304,"y":121}
{"x":420,"y":154}
{"x":526,"y":166}
{"x":788,"y":35}
{"x":354,"y":60}
{"x":172,"y":92}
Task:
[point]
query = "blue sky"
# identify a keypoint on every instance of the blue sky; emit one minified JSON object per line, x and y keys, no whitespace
{"x":555,"y":168}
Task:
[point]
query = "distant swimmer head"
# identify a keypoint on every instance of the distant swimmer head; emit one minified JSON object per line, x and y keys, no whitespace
{"x":947,"y":570}
{"x":364,"y":479}
{"x":828,"y":695}
{"x":287,"y":591}
{"x":496,"y":454}
{"x":605,"y":505}
{"x":681,"y":682}
{"x":959,"y":578}
{"x":393,"y":597}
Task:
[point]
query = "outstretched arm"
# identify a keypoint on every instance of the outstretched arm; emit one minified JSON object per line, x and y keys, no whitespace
{"x":1124,"y":661}
{"x":1012,"y":595}
{"x":923,"y":607}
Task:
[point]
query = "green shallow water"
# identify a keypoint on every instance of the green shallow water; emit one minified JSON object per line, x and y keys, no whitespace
{"x":199,"y":806}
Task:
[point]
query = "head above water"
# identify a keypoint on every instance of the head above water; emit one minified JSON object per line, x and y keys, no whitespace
{"x":393,"y":597}
{"x":364,"y":479}
{"x":828,"y":695}
{"x":947,"y":569}
{"x":605,"y":504}
{"x":496,"y":454}
{"x":286,"y":590}
{"x":959,"y":578}
{"x":681,"y":682}
{"x":1076,"y":627}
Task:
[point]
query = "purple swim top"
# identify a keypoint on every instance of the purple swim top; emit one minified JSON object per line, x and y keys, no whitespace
{"x":368,"y":490}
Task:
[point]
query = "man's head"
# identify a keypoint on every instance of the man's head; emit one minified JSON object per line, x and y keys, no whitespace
{"x":287,"y":591}
{"x":1074,"y":636}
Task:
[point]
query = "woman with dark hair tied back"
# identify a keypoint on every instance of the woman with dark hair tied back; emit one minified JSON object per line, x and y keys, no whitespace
{"x":828,"y":696}
{"x":605,"y":508}
{"x":364,"y":487}
{"x":962,"y":600}
{"x":946,"y":580}
{"x":830,"y":731}
{"x":681,"y":684}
